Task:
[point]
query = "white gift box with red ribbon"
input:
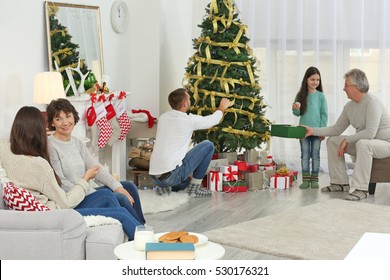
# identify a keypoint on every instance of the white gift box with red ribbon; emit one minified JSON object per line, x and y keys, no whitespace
{"x":214,"y":181}
{"x":229,"y":172}
{"x":280,"y":182}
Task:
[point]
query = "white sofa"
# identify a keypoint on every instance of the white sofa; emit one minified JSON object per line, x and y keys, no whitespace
{"x":54,"y":235}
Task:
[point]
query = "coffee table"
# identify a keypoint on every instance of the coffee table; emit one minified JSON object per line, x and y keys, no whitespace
{"x":207,"y":251}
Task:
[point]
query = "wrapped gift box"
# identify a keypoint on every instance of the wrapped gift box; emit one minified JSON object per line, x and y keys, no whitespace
{"x":255,"y":180}
{"x":214,"y":181}
{"x":242,"y":165}
{"x":267,"y":174}
{"x":252,"y":156}
{"x":215,"y":164}
{"x":293,"y":177}
{"x":231,"y":157}
{"x":280,"y":182}
{"x":238,"y":186}
{"x":270,"y":166}
{"x":288,"y":131}
{"x":253,"y":168}
{"x":229,"y":172}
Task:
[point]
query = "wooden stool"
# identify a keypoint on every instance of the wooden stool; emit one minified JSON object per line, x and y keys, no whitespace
{"x":380,"y":173}
{"x":136,"y":172}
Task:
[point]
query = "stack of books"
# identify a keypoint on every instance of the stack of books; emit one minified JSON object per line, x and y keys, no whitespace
{"x":170,"y":251}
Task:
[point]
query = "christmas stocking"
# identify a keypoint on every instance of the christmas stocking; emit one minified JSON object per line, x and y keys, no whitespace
{"x":116,"y":130}
{"x":104,"y":127}
{"x":122,"y":117}
{"x":151,"y":119}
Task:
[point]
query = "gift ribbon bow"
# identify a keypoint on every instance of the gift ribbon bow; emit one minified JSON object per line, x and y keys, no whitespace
{"x":122,"y":95}
{"x":283,"y":171}
{"x":110,"y":97}
{"x":102,"y":98}
{"x":230,"y":175}
{"x":93,"y":98}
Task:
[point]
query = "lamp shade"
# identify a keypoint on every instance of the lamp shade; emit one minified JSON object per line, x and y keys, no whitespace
{"x":47,"y":87}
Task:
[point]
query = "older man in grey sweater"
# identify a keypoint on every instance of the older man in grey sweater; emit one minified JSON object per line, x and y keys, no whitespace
{"x":368,"y":115}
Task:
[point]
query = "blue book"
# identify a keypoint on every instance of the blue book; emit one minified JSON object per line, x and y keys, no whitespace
{"x":170,"y":251}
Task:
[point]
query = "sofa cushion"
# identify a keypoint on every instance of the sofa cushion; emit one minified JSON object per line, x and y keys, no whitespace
{"x":20,"y":199}
{"x":3,"y":180}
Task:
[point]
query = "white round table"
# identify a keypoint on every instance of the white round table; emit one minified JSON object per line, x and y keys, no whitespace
{"x":207,"y":251}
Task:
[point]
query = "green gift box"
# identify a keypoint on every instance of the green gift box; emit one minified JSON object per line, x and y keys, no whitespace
{"x":288,"y":131}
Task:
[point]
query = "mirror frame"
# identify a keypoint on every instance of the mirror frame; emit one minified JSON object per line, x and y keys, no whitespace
{"x":75,"y":10}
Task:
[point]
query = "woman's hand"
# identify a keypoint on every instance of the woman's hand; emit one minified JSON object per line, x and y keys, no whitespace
{"x":123,"y":191}
{"x":91,"y":173}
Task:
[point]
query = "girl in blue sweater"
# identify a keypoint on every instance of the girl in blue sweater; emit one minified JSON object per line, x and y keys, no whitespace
{"x":310,"y":105}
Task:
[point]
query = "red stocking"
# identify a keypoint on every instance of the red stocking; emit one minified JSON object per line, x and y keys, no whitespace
{"x":104,"y":126}
{"x":123,"y":119}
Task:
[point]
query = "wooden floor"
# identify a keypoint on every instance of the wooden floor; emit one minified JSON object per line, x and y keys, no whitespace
{"x":223,"y":209}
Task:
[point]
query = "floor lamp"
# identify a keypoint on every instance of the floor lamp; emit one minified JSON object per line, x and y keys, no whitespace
{"x":47,"y":87}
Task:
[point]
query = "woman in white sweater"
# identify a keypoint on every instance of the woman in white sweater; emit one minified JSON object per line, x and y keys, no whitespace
{"x":26,"y":161}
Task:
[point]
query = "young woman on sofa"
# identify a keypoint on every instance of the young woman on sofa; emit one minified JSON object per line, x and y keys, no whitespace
{"x":27,"y":164}
{"x":70,"y":158}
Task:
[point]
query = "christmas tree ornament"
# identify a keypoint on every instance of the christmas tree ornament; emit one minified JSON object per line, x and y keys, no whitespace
{"x":122,"y":117}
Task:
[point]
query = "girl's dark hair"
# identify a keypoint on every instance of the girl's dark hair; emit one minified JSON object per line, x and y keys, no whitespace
{"x":303,"y":92}
{"x":55,"y":107}
{"x":28,"y":135}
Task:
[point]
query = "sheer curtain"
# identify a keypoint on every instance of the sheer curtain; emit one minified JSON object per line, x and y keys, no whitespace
{"x":288,"y":36}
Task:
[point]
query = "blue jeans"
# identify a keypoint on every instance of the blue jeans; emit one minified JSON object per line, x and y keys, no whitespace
{"x":195,"y":162}
{"x":310,"y":149}
{"x":104,"y":203}
{"x":136,"y":209}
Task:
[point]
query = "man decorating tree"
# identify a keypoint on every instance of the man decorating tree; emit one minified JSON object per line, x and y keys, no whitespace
{"x":171,"y":164}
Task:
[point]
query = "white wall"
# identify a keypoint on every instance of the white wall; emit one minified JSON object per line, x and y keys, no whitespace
{"x":130,"y":59}
{"x":148,"y":59}
{"x":179,"y":20}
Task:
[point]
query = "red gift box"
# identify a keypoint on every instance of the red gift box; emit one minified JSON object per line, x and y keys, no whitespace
{"x":253,"y":167}
{"x":242,"y":165}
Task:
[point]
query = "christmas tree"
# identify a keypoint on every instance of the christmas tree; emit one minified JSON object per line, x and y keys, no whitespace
{"x":64,"y":54}
{"x":224,"y":66}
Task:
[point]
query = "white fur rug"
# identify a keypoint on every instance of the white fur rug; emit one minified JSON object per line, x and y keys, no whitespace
{"x":97,"y":220}
{"x":153,"y":203}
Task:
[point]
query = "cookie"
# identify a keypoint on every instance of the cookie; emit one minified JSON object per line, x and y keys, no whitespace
{"x":170,"y":236}
{"x":189,"y":239}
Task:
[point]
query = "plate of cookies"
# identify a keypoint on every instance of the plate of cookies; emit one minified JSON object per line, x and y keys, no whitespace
{"x":181,"y":237}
